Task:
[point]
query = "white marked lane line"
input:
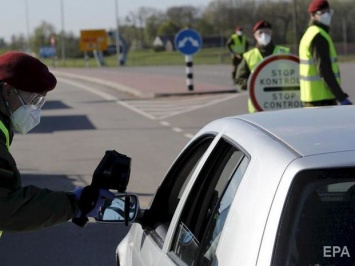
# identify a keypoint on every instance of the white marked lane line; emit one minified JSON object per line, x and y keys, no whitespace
{"x":196,"y":107}
{"x":106,"y":96}
{"x":181,"y":102}
{"x":165,"y":123}
{"x":137,"y":110}
{"x":176,"y":129}
{"x":101,"y":94}
{"x":189,"y":136}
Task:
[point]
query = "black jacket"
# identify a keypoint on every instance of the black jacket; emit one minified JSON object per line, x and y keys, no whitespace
{"x":28,"y":208}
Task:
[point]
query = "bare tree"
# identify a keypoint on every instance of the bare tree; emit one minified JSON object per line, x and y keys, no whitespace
{"x":42,"y":35}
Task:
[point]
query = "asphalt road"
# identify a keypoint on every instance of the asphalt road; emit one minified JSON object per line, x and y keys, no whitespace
{"x":80,"y":121}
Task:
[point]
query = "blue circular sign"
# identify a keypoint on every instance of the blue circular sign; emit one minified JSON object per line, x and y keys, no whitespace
{"x":188,"y":41}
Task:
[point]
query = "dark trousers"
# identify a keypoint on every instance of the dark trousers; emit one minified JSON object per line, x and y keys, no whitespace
{"x":235,"y":61}
{"x":320,"y":103}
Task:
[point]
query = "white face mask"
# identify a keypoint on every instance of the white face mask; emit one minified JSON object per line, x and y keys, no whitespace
{"x":25,"y":118}
{"x":264,"y":39}
{"x":325,"y":18}
{"x":239,"y":33}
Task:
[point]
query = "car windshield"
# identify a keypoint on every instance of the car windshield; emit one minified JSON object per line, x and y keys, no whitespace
{"x":318,"y":221}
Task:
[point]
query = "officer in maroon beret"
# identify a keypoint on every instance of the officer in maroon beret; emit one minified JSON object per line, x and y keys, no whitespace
{"x":264,"y":47}
{"x":24,"y":83}
{"x":320,"y":82}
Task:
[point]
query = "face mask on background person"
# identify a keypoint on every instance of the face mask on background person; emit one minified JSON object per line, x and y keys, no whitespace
{"x":263,"y":39}
{"x":239,"y":33}
{"x":25,"y":118}
{"x":325,"y":18}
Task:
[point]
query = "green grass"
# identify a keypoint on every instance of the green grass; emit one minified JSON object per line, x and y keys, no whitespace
{"x":146,"y":58}
{"x":151,"y":58}
{"x":204,"y":56}
{"x":208,"y":56}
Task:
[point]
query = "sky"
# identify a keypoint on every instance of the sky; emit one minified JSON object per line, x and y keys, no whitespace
{"x":23,"y":16}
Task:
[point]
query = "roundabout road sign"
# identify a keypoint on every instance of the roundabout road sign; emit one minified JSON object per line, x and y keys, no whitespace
{"x":188,"y":41}
{"x":275,"y":84}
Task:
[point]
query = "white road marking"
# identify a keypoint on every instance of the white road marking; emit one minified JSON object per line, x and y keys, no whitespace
{"x":161,"y":109}
{"x":106,"y":96}
{"x":189,"y":136}
{"x":177,"y":129}
{"x":157,"y":109}
{"x":164,"y":123}
{"x":101,"y":94}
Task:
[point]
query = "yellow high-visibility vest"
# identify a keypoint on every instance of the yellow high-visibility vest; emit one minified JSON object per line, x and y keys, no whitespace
{"x":7,"y":137}
{"x":238,"y":45}
{"x":253,"y":58}
{"x":312,"y":86}
{"x":6,"y":133}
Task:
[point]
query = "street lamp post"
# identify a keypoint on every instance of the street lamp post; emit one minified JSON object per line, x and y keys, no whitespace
{"x":220,"y":22}
{"x":295,"y":28}
{"x":62,"y":37}
{"x":27,"y":28}
{"x":117,"y":34}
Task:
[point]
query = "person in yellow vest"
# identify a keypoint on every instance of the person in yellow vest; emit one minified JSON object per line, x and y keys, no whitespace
{"x":264,"y":47}
{"x":24,"y":83}
{"x":320,"y":83}
{"x":237,"y":44}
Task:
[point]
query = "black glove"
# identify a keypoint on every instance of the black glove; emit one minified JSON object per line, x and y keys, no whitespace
{"x":346,"y":102}
{"x":90,"y":200}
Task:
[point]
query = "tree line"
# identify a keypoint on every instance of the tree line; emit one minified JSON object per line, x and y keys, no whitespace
{"x":289,"y":19}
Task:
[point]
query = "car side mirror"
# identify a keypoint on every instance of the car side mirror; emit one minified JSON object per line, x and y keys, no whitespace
{"x":122,"y":209}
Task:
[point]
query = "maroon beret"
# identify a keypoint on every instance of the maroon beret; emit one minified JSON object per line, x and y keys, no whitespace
{"x":317,"y":5}
{"x":239,"y":28}
{"x":26,"y":73}
{"x":261,"y":24}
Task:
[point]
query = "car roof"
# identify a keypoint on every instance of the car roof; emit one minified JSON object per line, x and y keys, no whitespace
{"x":308,"y":131}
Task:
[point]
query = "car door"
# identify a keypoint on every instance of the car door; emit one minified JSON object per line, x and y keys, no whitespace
{"x":150,"y":239}
{"x":197,"y":224}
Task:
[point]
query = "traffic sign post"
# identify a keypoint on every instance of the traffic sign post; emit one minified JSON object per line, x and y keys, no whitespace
{"x":95,"y":41}
{"x":91,"y":40}
{"x":274,"y":84}
{"x":188,"y":42}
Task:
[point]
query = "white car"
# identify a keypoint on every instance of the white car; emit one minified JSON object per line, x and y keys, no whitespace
{"x":270,"y":188}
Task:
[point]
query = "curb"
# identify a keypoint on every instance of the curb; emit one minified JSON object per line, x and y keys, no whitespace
{"x":168,"y":94}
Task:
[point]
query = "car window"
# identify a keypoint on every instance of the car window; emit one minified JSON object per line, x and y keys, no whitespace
{"x":318,"y":220}
{"x":157,"y":218}
{"x":207,"y":206}
{"x":214,"y":231}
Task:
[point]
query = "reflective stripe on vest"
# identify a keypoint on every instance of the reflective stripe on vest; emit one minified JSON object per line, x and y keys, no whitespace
{"x":312,"y":86}
{"x":6,"y":133}
{"x":7,"y":137}
{"x":238,"y":45}
{"x":311,"y":61}
{"x":253,"y":58}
